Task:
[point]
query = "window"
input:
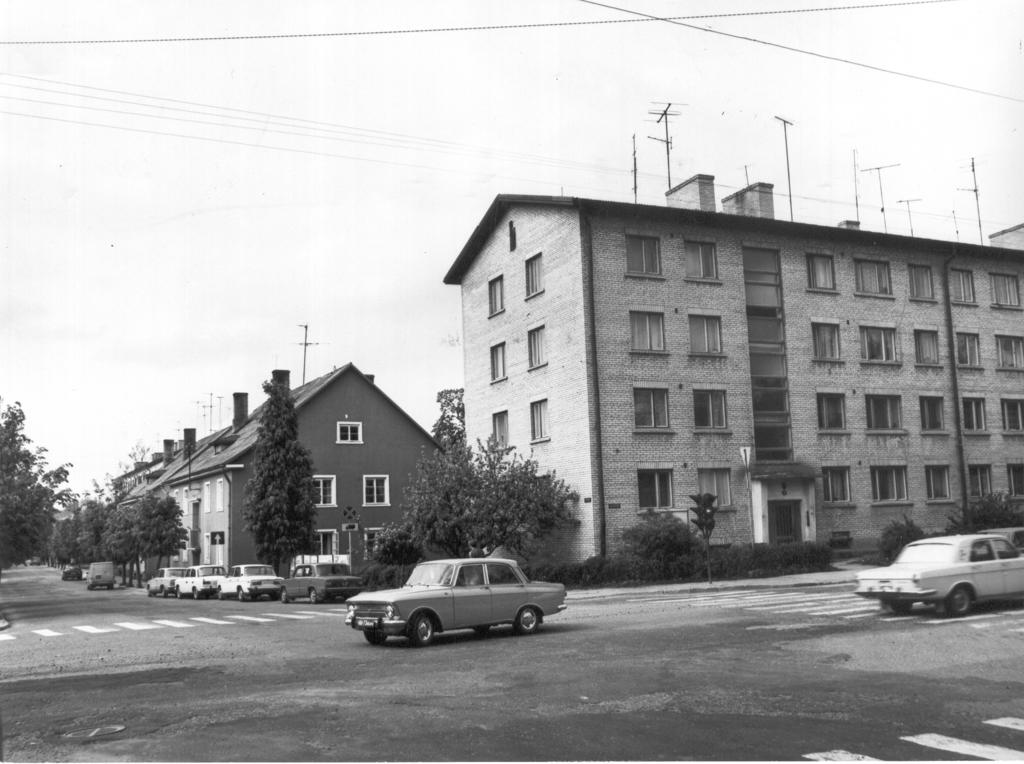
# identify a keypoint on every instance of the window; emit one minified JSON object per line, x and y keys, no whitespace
{"x":655,"y":487}
{"x":350,"y":432}
{"x":496,"y":295}
{"x":878,"y":344}
{"x":650,"y":407}
{"x":921,"y":282}
{"x":1015,"y":479}
{"x":931,"y":412}
{"x":206,"y":496}
{"x":370,"y":541}
{"x":1013,"y":415}
{"x":511,"y":236}
{"x":499,"y":427}
{"x":835,"y":483}
{"x":961,"y":285}
{"x":968,"y":350}
{"x":539,"y":420}
{"x":535,"y":345}
{"x":498,"y":362}
{"x":883,"y":412}
{"x":643,"y":255}
{"x":1009,"y":352}
{"x":701,"y":261}
{"x":715,"y":482}
{"x":926,"y":346}
{"x":534,"y":276}
{"x":831,"y":411}
{"x":222,"y":494}
{"x":872,"y":277}
{"x":327,"y":543}
{"x":974,"y":414}
{"x":888,"y":483}
{"x":820,"y":273}
{"x":376,"y":491}
{"x":826,"y":341}
{"x":648,"y":330}
{"x":1005,"y":290}
{"x":937,"y":482}
{"x":705,"y":334}
{"x":709,"y":408}
{"x":979,"y":480}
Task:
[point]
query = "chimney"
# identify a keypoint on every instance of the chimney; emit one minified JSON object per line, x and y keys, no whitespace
{"x":369,"y":378}
{"x":853,"y":225}
{"x":281,"y":377}
{"x":697,"y":193}
{"x":140,"y":465}
{"x":241,"y":411}
{"x":168,"y":450}
{"x":754,"y":201}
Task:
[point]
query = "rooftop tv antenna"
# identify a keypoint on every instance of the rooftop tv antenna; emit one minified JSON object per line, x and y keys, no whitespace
{"x":856,"y":191}
{"x":907,"y":202}
{"x":305,"y":344}
{"x":634,"y":168}
{"x":881,"y":195}
{"x":663,"y":116}
{"x":977,"y":204}
{"x":789,"y":183}
{"x":956,"y":226}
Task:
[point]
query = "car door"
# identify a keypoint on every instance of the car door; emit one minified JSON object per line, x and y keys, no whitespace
{"x":471,"y":597}
{"x":508,"y":592}
{"x":1012,"y":565}
{"x":303,"y":575}
{"x":986,"y":571}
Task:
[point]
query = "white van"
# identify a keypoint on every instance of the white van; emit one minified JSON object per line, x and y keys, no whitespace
{"x":100,"y":574}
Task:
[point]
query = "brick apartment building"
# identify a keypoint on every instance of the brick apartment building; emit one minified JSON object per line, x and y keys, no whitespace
{"x":820,"y":381}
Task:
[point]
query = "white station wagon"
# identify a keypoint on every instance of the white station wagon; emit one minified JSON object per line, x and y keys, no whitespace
{"x":951,"y":572}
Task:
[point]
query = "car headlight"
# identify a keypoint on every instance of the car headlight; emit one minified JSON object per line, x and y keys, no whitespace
{"x":390,"y":611}
{"x":351,"y":608}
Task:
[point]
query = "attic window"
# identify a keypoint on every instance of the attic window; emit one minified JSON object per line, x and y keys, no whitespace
{"x":511,"y":236}
{"x":350,"y":432}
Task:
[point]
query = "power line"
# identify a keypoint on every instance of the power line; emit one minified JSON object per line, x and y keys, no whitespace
{"x":480,"y":28}
{"x":815,"y":54}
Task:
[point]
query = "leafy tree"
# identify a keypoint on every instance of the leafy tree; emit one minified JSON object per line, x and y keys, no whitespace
{"x":704,"y":510}
{"x":121,"y":540}
{"x":996,"y":510}
{"x":896,"y":535}
{"x":394,"y":545}
{"x":450,"y":427}
{"x":92,"y":521}
{"x":279,"y":510}
{"x":439,"y":497}
{"x":64,"y":540}
{"x":160,"y":530}
{"x":29,"y":492}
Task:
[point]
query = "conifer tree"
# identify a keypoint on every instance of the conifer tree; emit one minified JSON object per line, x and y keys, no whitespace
{"x":279,"y":509}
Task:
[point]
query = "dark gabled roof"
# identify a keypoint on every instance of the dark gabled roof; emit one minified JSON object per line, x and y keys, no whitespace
{"x":503,"y":202}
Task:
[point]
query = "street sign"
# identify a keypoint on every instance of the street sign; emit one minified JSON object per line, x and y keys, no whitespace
{"x":350,"y":526}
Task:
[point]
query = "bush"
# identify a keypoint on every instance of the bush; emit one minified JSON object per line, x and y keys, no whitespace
{"x":897,"y":535}
{"x":996,"y":510}
{"x":660,"y":540}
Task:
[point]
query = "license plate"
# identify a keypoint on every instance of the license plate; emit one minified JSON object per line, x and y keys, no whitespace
{"x":366,"y":623}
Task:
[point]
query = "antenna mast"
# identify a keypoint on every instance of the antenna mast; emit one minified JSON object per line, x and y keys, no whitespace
{"x":789,"y":182}
{"x":977,"y":204}
{"x":664,"y":114}
{"x":881,"y":195}
{"x":305,"y":344}
{"x":907,"y":202}
{"x":634,"y":168}
{"x":856,"y":192}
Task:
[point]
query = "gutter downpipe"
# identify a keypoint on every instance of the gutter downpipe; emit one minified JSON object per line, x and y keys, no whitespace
{"x":587,"y":247}
{"x":955,"y":382}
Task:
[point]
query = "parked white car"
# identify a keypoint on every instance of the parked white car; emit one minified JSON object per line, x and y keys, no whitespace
{"x":250,"y":582}
{"x":162,"y":584}
{"x":950,"y":572}
{"x":199,"y":581}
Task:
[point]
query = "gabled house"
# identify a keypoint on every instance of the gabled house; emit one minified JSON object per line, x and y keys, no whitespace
{"x":364,"y":449}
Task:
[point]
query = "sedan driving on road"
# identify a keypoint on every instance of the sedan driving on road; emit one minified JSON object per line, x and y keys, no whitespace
{"x":950,"y":572}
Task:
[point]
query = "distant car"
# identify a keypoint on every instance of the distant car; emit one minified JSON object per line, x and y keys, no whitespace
{"x":951,"y":572}
{"x":71,"y":573}
{"x":162,"y":584}
{"x":250,"y":582}
{"x":1014,"y":535}
{"x":455,"y":594}
{"x":199,"y":581}
{"x":321,"y":582}
{"x":101,"y":575}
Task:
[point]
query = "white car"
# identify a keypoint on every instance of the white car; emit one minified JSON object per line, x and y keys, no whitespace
{"x":250,"y":582}
{"x":162,"y":584}
{"x":950,"y":572}
{"x":199,"y":581}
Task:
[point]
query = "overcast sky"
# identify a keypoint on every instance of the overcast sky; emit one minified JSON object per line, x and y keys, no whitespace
{"x":174,"y":209}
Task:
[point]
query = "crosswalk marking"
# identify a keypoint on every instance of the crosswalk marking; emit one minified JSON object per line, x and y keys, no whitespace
{"x":213,"y":621}
{"x":320,"y":612}
{"x":294,"y":616}
{"x":1008,"y":722}
{"x":47,"y":633}
{"x":838,"y":756}
{"x":965,"y":747}
{"x":93,"y":629}
{"x":173,"y":624}
{"x":252,"y":618}
{"x":4,"y":637}
{"x":133,"y":626}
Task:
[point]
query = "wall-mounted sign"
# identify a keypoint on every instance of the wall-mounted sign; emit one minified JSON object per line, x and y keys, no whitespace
{"x":350,"y":526}
{"x":217,"y":538}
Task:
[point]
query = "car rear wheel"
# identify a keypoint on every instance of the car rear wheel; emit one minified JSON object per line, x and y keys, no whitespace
{"x":375,"y":636}
{"x":241,"y":595}
{"x":421,"y":630}
{"x":959,"y":601}
{"x":527,"y":621}
{"x":284,"y":596}
{"x":313,"y":597}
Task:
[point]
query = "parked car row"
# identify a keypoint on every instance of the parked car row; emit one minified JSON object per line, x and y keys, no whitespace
{"x":319,"y":582}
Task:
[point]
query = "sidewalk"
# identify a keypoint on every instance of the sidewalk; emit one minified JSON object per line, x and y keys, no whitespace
{"x":843,"y":573}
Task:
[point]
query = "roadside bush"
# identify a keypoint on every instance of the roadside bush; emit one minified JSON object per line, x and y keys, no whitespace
{"x":660,"y":540}
{"x":897,"y":535}
{"x":378,"y":576}
{"x":996,"y":510}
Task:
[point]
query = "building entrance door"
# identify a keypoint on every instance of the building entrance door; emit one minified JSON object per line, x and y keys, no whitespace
{"x":783,"y":522}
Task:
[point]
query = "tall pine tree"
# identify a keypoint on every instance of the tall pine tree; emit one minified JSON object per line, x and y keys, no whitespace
{"x":279,"y":509}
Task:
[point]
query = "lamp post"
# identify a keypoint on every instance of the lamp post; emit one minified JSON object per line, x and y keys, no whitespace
{"x":745,"y":454}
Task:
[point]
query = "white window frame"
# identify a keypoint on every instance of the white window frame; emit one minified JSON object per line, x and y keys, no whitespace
{"x":825,"y":336}
{"x":499,"y":427}
{"x":539,"y":428}
{"x":895,"y":477}
{"x":496,"y":295}
{"x":659,"y":476}
{"x":934,"y":490}
{"x":333,"y":533}
{"x":534,"y":275}
{"x":831,"y":477}
{"x":979,"y":480}
{"x":347,"y":424}
{"x":812,"y":273}
{"x":968,"y":349}
{"x":653,"y":396}
{"x":873,"y":273}
{"x":331,"y":480}
{"x":961,"y":285}
{"x":974,"y":414}
{"x":499,"y":369}
{"x":649,"y":324}
{"x":913,"y":284}
{"x":705,"y":334}
{"x":700,"y":260}
{"x":207,"y":497}
{"x":717,"y":409}
{"x":221,"y":494}
{"x":892,"y":412}
{"x":1005,"y":289}
{"x":387,"y":490}
{"x":931,"y":335}
{"x":889,"y":345}
{"x":1009,"y":351}
{"x":650,"y":255}
{"x":535,"y":347}
{"x":1012,"y":409}
{"x":927,"y":400}
{"x":824,"y":411}
{"x":716,"y":481}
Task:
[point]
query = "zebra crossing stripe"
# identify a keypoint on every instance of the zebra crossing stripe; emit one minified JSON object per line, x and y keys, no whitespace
{"x":173,"y":624}
{"x":951,"y":621}
{"x":320,"y":612}
{"x":1007,"y":721}
{"x":252,"y":618}
{"x":965,"y":747}
{"x":131,"y":626}
{"x":294,"y":616}
{"x":47,"y":633}
{"x":5,"y":637}
{"x":93,"y":629}
{"x":838,"y":756}
{"x":214,"y":621}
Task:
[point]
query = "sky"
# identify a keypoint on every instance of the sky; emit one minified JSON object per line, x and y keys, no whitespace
{"x":187,"y":184}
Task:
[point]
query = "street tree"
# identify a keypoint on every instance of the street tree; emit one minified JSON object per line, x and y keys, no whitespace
{"x":160,"y":530}
{"x":279,"y":510}
{"x":64,"y":540}
{"x":92,"y":522}
{"x":450,"y":427}
{"x":439,"y":498}
{"x":121,"y":540}
{"x":29,"y":491}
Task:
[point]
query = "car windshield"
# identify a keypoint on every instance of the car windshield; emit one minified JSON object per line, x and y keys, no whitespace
{"x":430,"y":574}
{"x":927,"y":553}
{"x":258,"y":570}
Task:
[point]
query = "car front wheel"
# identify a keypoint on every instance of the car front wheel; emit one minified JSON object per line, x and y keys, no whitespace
{"x":241,"y":595}
{"x":959,"y":602}
{"x":421,"y":631}
{"x":284,"y":596}
{"x":313,"y":597}
{"x":527,"y":621}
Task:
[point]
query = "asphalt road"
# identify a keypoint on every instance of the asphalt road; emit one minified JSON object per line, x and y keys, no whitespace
{"x":788,"y":673}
